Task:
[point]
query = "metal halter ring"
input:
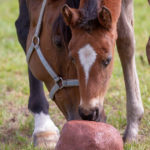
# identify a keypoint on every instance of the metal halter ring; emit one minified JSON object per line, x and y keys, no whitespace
{"x":35,"y":41}
{"x":60,"y":83}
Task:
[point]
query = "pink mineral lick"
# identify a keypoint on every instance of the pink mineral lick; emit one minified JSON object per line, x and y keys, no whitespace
{"x":87,"y":135}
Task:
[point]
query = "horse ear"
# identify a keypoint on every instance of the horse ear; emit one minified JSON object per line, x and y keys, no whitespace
{"x":105,"y":17}
{"x":70,"y":15}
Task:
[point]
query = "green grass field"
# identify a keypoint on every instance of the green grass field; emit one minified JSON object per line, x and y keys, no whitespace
{"x":16,"y":123}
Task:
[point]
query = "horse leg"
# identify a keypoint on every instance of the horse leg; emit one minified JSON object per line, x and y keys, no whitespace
{"x":126,"y":49}
{"x":45,"y":132}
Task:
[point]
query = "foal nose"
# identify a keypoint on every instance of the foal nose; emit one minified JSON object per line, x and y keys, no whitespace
{"x":90,"y":115}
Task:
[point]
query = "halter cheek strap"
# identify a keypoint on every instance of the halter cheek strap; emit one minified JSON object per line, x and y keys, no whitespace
{"x":35,"y":45}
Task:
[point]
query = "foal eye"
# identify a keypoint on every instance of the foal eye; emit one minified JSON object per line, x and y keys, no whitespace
{"x":107,"y":61}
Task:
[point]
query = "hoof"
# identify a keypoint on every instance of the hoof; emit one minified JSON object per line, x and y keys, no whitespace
{"x":127,"y":139}
{"x":45,"y":140}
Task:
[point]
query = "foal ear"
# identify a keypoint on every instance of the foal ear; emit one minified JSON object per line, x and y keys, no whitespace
{"x":105,"y":17}
{"x":70,"y":15}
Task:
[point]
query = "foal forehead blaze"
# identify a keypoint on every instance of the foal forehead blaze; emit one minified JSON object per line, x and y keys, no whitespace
{"x":87,"y":57}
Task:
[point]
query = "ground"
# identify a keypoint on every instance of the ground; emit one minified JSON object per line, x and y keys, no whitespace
{"x":16,"y":122}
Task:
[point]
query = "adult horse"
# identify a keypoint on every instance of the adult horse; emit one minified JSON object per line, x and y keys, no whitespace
{"x":74,"y":39}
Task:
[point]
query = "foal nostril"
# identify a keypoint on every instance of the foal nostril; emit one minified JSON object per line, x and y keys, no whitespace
{"x":90,"y":115}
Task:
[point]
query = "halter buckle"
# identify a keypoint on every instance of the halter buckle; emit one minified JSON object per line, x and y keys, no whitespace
{"x":36,"y":41}
{"x":59,"y":82}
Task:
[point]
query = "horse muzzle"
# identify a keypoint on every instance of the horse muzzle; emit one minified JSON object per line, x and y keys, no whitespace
{"x":95,"y":114}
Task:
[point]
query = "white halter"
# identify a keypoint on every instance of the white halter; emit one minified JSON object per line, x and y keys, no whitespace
{"x":59,"y":82}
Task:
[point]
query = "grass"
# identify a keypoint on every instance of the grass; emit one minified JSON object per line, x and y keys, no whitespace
{"x":16,"y":123}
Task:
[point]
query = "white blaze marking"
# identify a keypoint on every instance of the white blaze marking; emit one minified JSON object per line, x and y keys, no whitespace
{"x":87,"y":57}
{"x":43,"y":123}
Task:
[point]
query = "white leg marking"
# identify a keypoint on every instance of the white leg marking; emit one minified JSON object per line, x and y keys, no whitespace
{"x":44,"y":123}
{"x":87,"y":57}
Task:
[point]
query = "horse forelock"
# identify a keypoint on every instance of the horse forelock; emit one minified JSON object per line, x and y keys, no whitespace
{"x":89,"y":18}
{"x":89,"y":12}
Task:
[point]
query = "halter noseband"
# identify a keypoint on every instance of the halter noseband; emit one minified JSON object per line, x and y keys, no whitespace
{"x":35,"y":45}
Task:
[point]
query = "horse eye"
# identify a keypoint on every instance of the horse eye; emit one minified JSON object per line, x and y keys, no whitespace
{"x":107,"y":61}
{"x":72,"y":60}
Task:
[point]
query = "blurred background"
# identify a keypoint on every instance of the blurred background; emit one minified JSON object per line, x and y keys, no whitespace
{"x":16,"y":123}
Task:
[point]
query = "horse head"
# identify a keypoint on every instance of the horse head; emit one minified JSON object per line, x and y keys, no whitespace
{"x":91,"y":48}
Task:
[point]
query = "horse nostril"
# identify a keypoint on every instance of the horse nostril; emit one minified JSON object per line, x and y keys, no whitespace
{"x":90,"y":115}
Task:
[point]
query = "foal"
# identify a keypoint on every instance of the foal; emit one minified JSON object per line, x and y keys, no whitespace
{"x":78,"y":41}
